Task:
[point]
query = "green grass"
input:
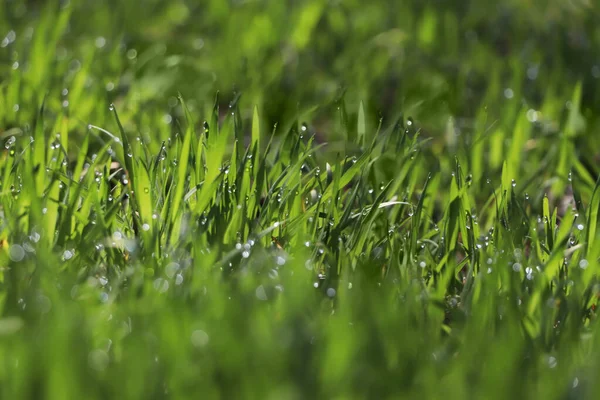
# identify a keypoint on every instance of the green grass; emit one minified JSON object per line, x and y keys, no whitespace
{"x":383,"y":201}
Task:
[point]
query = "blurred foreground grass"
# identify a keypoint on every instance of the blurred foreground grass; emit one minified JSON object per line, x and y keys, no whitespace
{"x":387,"y":199}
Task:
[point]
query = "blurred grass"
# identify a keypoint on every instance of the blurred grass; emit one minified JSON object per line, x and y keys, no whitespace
{"x":385,"y":200}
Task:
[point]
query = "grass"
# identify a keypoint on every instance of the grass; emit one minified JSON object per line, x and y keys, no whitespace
{"x":422,"y":237}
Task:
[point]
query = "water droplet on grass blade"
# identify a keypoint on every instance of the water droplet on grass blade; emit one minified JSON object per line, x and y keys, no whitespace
{"x":199,"y":338}
{"x":260,"y":293}
{"x":98,"y":360}
{"x":161,"y":285}
{"x":516,"y":267}
{"x":100,"y":42}
{"x":171,"y":269}
{"x":67,"y":255}
{"x":10,"y":142}
{"x":16,"y":252}
{"x":178,"y":279}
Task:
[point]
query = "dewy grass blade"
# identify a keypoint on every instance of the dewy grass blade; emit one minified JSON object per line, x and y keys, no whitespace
{"x":592,"y":219}
{"x":361,"y":124}
{"x":182,"y":171}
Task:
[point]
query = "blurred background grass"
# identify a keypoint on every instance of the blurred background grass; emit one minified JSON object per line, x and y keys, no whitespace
{"x":432,"y":59}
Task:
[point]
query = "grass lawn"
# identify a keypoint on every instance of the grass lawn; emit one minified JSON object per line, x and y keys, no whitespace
{"x":271,"y":199}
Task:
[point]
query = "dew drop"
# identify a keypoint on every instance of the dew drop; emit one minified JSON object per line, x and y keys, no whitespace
{"x":199,"y":338}
{"x":516,"y":267}
{"x":178,"y":279}
{"x":67,"y":255}
{"x":161,"y":285}
{"x":16,"y":253}
{"x":261,"y":293}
